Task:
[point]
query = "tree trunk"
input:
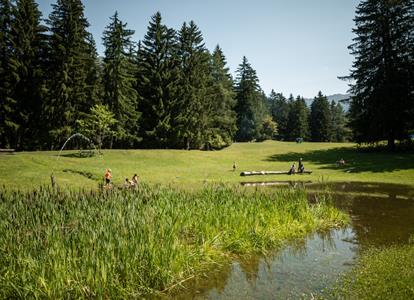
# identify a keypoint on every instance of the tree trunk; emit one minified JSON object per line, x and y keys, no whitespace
{"x":391,"y":143}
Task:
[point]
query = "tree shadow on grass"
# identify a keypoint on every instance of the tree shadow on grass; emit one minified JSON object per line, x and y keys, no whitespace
{"x":356,"y":160}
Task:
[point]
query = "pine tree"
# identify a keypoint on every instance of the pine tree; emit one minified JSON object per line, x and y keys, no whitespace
{"x":223,"y":120}
{"x":297,"y":126}
{"x":7,"y":104}
{"x":340,"y":131}
{"x":279,"y":109}
{"x":29,"y":55}
{"x":119,"y":81}
{"x":157,"y":83}
{"x":194,"y":107}
{"x":382,"y":105}
{"x":250,"y":105}
{"x":320,"y":119}
{"x":70,"y":61}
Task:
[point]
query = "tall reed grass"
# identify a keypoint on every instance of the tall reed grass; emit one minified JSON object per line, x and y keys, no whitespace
{"x":126,"y":244}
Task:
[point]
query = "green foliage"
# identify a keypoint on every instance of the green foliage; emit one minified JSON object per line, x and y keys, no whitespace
{"x":339,"y":124}
{"x":223,"y":117}
{"x":70,"y":60}
{"x":157,"y":84}
{"x":279,"y":109}
{"x":194,"y":108}
{"x":119,"y":81}
{"x":8,"y":125}
{"x":269,"y":128}
{"x":29,"y":43}
{"x":380,"y":274}
{"x":298,"y":117}
{"x":129,"y":244}
{"x":320,"y":119}
{"x":383,"y":71}
{"x":251,"y":103}
{"x":98,"y":125}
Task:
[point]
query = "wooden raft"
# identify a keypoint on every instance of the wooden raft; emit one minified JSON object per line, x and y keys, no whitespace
{"x":251,"y":173}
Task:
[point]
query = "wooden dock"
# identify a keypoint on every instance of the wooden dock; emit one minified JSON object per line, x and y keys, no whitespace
{"x":252,"y":173}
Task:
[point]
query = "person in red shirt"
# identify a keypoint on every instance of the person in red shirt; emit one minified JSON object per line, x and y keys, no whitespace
{"x":108,"y":176}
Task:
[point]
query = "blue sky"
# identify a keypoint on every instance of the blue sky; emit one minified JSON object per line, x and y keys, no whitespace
{"x":296,"y":46}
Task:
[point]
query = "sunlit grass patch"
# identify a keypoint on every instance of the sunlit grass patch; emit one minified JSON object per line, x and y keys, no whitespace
{"x":386,"y":273}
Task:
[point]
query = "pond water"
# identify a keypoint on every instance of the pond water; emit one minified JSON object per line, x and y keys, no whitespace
{"x":381,"y":215}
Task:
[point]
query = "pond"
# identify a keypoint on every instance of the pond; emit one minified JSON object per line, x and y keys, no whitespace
{"x":381,"y":215}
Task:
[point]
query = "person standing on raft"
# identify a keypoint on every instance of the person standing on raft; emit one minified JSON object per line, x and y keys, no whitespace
{"x":301,"y":167}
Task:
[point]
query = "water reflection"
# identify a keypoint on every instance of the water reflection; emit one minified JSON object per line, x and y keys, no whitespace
{"x":296,"y":271}
{"x":381,"y":214}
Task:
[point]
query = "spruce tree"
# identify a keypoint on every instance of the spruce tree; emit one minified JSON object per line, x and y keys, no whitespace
{"x":223,"y":119}
{"x":382,"y":105}
{"x":29,"y":59}
{"x":320,"y":119}
{"x":157,"y":83}
{"x":8,"y":124}
{"x":119,"y":81}
{"x":250,"y":105}
{"x":298,"y":117}
{"x":339,"y":122}
{"x":194,"y":107}
{"x":70,"y":61}
{"x":279,"y":109}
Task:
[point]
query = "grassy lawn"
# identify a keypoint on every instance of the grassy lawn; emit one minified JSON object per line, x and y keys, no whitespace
{"x":193,"y":168}
{"x":386,"y":273}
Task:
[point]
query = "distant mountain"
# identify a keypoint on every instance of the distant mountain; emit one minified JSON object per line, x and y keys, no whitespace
{"x":335,"y":97}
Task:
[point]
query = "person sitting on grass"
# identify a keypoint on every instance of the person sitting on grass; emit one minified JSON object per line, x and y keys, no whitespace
{"x":134,"y":180}
{"x":127,"y":183}
{"x":341,"y":162}
{"x":292,"y":169}
{"x":301,"y":167}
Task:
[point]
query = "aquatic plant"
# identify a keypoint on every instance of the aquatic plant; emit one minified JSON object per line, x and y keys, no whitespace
{"x":124,"y":244}
{"x":381,"y":273}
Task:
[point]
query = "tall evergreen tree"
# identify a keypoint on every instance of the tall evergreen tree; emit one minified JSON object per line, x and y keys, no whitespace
{"x":195,"y":105}
{"x":223,"y":119}
{"x":279,"y":109}
{"x":157,"y":83}
{"x":119,"y":80}
{"x":250,"y":104}
{"x":339,"y":122}
{"x":320,"y":119}
{"x":7,"y":122}
{"x":29,"y":56}
{"x":382,"y":105}
{"x":297,"y":126}
{"x":70,"y":61}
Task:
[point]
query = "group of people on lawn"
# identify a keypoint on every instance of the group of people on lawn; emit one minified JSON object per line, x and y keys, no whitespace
{"x":128,"y":183}
{"x":301,"y":167}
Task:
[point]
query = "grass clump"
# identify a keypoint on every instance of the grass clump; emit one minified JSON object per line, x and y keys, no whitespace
{"x":126,"y":244}
{"x":386,"y":273}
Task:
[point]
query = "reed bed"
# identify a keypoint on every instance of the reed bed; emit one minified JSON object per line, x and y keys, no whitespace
{"x":131,"y":244}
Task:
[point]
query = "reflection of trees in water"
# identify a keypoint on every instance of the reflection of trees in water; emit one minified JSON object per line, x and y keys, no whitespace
{"x":379,"y":220}
{"x":250,"y":265}
{"x":199,"y":285}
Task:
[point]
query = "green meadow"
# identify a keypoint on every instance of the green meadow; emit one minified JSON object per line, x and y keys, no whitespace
{"x":181,"y":168}
{"x":187,"y":216}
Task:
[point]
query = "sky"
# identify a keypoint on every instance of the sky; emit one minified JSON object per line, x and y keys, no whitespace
{"x":295,"y":46}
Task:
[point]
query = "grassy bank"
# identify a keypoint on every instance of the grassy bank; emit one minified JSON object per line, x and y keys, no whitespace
{"x":123,"y":244}
{"x":380,"y":274}
{"x":192,"y":168}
